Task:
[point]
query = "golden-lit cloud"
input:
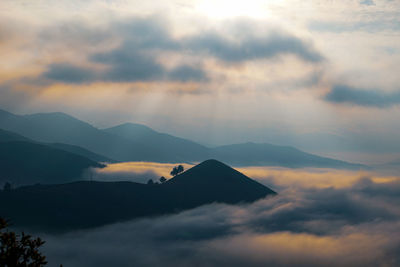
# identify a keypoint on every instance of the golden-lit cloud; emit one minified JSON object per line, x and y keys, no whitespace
{"x":283,"y":178}
{"x":318,"y":178}
{"x":304,"y":249}
{"x":135,"y":171}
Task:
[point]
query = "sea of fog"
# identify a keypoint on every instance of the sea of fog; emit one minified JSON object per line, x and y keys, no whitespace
{"x":321,"y":217}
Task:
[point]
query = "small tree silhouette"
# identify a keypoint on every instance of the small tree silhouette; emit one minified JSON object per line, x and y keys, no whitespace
{"x":150,"y":181}
{"x":177,"y":170}
{"x":162,"y":179}
{"x":19,"y":250}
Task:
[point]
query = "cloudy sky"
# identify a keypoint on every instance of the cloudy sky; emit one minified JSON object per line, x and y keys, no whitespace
{"x":320,"y":75}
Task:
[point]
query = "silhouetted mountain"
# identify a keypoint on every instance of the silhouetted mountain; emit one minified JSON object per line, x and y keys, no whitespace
{"x":28,"y":163}
{"x":212,"y":179}
{"x":134,"y":142}
{"x":89,"y":204}
{"x":273,"y":155}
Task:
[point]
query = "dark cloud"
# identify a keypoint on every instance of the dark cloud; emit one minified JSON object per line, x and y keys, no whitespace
{"x":187,"y":73}
{"x":353,"y":226}
{"x":361,"y":97}
{"x":123,"y":65}
{"x":367,"y":2}
{"x":252,"y":47}
{"x":145,"y":39}
{"x":150,"y":33}
{"x":69,"y":73}
{"x":387,"y":191}
{"x":154,"y":34}
{"x":365,"y":26}
{"x":339,"y":207}
{"x":127,"y":64}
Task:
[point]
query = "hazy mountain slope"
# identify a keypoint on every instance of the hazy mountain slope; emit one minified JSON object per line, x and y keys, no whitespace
{"x":89,"y":204}
{"x":7,"y":136}
{"x":132,"y":131}
{"x":62,"y":128}
{"x":52,"y":128}
{"x":82,"y":152}
{"x":29,"y":163}
{"x":273,"y":155}
{"x":15,"y":123}
{"x":134,"y":142}
{"x":182,"y":150}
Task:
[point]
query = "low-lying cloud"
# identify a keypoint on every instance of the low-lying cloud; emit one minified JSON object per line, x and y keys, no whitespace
{"x":139,"y":172}
{"x":354,"y":224}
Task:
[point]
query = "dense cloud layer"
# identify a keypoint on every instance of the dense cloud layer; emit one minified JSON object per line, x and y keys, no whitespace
{"x":145,"y":39}
{"x":356,"y":225}
{"x":253,"y":47}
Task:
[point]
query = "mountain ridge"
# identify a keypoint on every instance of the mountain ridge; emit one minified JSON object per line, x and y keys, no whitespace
{"x":121,"y":144}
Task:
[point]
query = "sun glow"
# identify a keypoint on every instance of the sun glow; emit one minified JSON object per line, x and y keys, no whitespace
{"x":223,"y":9}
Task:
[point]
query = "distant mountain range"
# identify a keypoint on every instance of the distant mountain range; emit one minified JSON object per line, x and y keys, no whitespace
{"x":135,"y":142}
{"x":273,"y":155}
{"x":79,"y":205}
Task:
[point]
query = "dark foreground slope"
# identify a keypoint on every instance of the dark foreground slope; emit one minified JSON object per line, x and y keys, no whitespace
{"x":29,"y":163}
{"x":89,"y":204}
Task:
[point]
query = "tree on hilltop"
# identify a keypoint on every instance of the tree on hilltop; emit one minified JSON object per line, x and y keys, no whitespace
{"x":177,"y":170}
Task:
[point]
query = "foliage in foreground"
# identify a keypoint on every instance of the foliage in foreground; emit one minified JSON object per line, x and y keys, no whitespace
{"x":19,"y":250}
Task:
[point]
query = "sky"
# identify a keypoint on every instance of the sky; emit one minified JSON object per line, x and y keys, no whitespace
{"x":318,"y":75}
